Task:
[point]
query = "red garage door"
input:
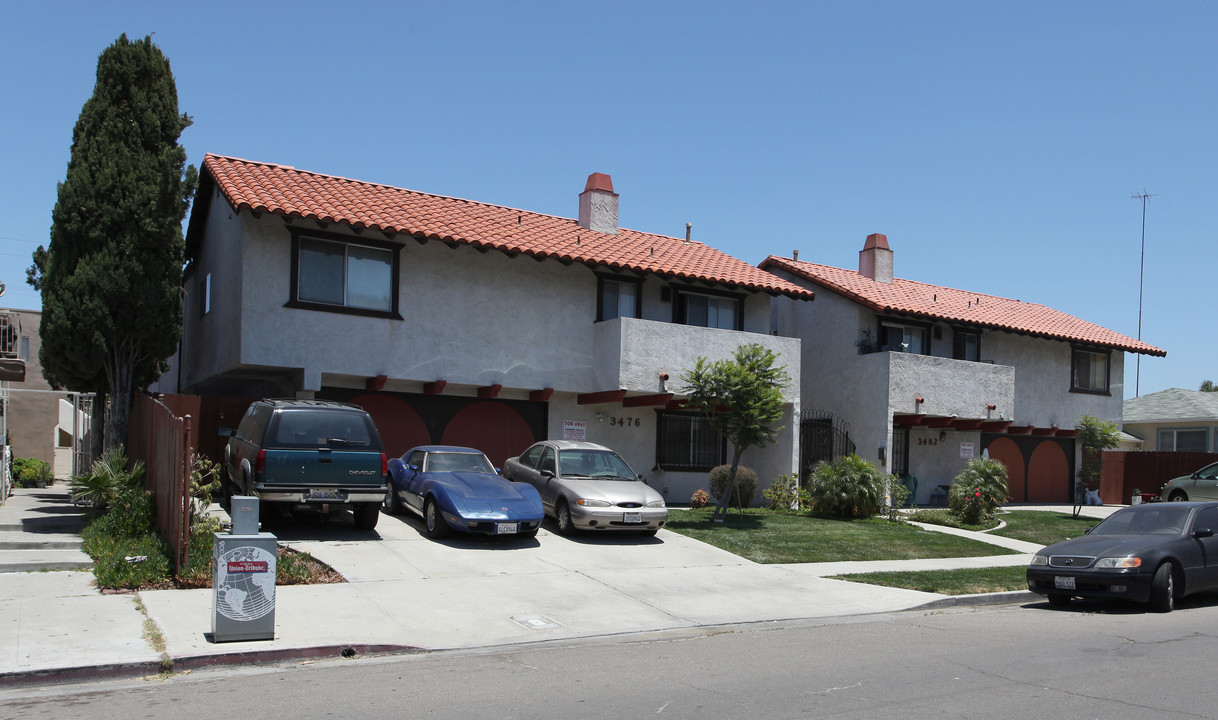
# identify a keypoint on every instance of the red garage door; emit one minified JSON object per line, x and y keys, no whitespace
{"x":494,"y":428}
{"x":1007,"y":452}
{"x":1048,"y":474}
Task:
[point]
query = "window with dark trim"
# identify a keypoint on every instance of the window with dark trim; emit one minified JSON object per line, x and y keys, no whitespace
{"x":336,"y":273}
{"x":709,"y":308}
{"x":205,"y":295}
{"x":618,"y":296}
{"x":686,"y":441}
{"x":903,"y":337}
{"x":1089,"y":371}
{"x":966,"y":345}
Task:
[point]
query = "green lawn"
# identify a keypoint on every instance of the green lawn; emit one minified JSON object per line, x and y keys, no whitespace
{"x":767,"y":537}
{"x":1043,"y":527}
{"x":949,"y":582}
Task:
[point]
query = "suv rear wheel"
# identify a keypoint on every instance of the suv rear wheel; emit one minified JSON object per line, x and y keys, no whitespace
{"x":366,"y":515}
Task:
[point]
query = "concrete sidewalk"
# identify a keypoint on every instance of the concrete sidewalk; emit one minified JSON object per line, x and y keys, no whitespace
{"x":406,"y":592}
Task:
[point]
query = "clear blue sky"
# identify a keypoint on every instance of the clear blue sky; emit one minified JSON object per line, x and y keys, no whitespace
{"x":996,"y":144}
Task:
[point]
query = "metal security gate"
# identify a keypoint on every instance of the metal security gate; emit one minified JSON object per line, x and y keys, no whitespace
{"x":822,"y":436}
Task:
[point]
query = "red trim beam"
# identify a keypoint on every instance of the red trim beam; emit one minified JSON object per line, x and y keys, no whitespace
{"x":647,"y":400}
{"x":597,"y":398}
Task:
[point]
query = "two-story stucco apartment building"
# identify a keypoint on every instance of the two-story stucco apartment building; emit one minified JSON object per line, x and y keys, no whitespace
{"x":929,"y":376}
{"x":461,"y":322}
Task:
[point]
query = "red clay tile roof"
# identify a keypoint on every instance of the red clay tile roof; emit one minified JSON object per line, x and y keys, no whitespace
{"x":284,"y":190}
{"x":959,"y":306}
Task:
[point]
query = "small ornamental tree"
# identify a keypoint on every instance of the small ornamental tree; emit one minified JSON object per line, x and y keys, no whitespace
{"x":111,"y":279}
{"x":742,"y":400}
{"x":1095,"y":435}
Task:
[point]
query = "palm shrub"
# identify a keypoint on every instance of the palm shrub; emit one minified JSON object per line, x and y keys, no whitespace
{"x":105,"y":478}
{"x":978,"y":491}
{"x":847,"y":487}
{"x":746,"y":485}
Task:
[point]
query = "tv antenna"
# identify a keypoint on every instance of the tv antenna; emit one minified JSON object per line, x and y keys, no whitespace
{"x":1145,"y":198}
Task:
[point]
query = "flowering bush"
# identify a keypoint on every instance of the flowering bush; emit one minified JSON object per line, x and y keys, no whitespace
{"x":700,"y":499}
{"x":978,"y":491}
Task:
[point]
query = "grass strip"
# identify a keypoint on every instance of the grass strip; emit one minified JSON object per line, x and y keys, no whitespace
{"x":966,"y":581}
{"x":767,"y":537}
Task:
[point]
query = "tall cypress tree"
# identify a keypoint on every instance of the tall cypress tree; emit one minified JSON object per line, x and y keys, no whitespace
{"x":112,"y":276}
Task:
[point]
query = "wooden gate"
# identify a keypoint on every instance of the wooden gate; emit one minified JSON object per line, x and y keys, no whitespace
{"x":163,"y":442}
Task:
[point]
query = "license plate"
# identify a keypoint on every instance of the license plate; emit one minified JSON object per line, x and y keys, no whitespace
{"x":323,"y":495}
{"x":632,"y":517}
{"x":1063,"y":582}
{"x":507,"y":528}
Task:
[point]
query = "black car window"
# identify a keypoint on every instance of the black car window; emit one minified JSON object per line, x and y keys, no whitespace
{"x":1209,"y":472}
{"x":547,"y":460}
{"x":458,"y":462}
{"x":529,"y":458}
{"x":1206,"y":518}
{"x":417,"y":458}
{"x":1166,"y":519}
{"x":321,"y":428}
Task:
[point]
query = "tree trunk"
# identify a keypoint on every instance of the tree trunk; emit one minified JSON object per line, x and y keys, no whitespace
{"x":120,"y":381}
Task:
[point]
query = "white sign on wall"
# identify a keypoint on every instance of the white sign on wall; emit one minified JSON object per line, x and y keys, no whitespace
{"x":574,"y":430}
{"x":966,"y":450}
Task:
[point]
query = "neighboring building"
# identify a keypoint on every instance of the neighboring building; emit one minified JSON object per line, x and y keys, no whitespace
{"x":929,"y":376}
{"x":1174,"y":420}
{"x":38,"y":420}
{"x":460,"y":322}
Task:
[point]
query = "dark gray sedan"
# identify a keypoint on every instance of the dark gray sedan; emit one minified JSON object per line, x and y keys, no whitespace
{"x":588,"y":486}
{"x":1154,"y":553}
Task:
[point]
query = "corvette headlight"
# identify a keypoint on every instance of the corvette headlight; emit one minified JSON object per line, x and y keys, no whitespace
{"x":1039,"y":560}
{"x":586,"y":502}
{"x":656,"y":504}
{"x":1131,"y":561}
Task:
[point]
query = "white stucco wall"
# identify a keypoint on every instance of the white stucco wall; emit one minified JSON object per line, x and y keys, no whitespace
{"x":471,"y":319}
{"x":1026,"y":378}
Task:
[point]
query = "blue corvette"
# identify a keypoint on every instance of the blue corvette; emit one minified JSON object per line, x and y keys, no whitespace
{"x":458,"y":488}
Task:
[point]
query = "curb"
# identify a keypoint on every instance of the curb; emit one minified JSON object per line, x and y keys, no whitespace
{"x":998,"y":598}
{"x":121,"y":671}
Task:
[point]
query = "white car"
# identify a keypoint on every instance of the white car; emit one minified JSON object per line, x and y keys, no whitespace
{"x":587,"y":486}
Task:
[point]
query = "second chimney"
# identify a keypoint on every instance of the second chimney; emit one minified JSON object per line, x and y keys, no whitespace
{"x":598,"y":205}
{"x":875,"y":259}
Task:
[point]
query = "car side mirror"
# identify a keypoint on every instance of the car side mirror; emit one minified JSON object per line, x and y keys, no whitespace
{"x":413,"y":468}
{"x":499,"y":470}
{"x":1203,"y":533}
{"x":547,"y":473}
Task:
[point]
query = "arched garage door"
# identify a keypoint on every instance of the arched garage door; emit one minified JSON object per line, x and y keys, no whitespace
{"x":1007,"y":452}
{"x":1048,"y":474}
{"x":400,"y":425}
{"x":494,"y":428}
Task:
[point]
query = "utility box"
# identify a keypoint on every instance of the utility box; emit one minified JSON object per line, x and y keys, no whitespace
{"x":243,"y":578}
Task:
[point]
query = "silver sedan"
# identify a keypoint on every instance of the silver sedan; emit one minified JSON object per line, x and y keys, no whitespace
{"x":588,"y":487}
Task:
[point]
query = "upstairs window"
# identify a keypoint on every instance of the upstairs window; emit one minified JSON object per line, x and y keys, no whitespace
{"x":897,"y":337}
{"x":709,"y":310}
{"x":686,"y":441}
{"x":1089,"y":371}
{"x":330,"y":273}
{"x":617,"y":297}
{"x":966,"y":345}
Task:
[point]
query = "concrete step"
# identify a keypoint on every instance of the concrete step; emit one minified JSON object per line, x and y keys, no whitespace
{"x":14,"y":561}
{"x":10,"y":540}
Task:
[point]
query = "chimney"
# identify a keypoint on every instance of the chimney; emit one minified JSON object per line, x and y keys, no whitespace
{"x":598,"y":205}
{"x":875,"y":259}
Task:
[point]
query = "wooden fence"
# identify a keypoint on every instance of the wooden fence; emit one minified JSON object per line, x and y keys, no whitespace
{"x":163,"y":442}
{"x":1124,"y":472}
